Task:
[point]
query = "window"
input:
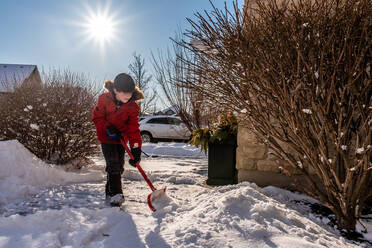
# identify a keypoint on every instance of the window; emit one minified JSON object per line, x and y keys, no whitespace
{"x":174,"y":121}
{"x":158,"y":121}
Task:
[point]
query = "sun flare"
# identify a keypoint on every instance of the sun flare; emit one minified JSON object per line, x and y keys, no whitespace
{"x":101,"y":28}
{"x":100,"y":25}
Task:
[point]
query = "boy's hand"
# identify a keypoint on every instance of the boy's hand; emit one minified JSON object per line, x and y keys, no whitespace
{"x":136,"y":152}
{"x":113,"y":133}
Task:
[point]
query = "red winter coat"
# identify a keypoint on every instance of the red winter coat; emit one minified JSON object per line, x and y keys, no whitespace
{"x":124,"y":118}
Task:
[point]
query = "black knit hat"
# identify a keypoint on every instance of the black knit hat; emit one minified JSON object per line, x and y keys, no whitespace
{"x":124,"y":82}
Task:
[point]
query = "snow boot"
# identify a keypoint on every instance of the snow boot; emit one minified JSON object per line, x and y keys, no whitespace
{"x":117,"y":200}
{"x":114,"y":192}
{"x":107,"y":200}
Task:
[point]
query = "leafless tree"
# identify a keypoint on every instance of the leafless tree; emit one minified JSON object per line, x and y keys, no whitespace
{"x":299,"y":72}
{"x":138,"y":71}
{"x":172,"y":74}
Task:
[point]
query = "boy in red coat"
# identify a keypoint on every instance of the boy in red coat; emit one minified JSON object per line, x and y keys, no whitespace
{"x":116,"y":116}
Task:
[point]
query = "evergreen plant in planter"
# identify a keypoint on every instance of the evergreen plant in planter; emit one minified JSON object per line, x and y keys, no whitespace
{"x":221,"y":143}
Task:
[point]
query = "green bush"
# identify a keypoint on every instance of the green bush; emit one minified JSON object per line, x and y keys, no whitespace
{"x":224,"y":132}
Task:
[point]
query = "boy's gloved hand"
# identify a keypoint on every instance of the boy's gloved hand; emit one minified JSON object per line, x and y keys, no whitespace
{"x":136,"y":152}
{"x":113,"y":133}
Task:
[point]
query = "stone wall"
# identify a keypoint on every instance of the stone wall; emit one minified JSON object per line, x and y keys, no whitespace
{"x":256,"y":164}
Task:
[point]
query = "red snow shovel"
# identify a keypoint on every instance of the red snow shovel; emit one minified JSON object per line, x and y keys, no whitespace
{"x":156,"y":193}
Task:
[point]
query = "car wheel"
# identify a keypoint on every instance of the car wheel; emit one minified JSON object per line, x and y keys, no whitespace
{"x":146,"y":137}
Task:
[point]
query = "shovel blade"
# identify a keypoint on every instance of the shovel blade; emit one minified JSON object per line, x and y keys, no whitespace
{"x":156,"y":199}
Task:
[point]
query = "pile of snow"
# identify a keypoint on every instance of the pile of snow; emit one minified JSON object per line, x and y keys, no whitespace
{"x":23,"y":174}
{"x":242,"y":216}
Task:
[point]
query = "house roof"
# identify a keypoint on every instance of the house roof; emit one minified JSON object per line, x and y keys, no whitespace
{"x":13,"y":74}
{"x":172,"y":108}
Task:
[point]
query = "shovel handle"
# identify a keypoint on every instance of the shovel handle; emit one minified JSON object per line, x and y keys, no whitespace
{"x":138,"y":166}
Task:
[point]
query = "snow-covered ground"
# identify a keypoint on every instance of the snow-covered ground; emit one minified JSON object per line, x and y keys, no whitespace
{"x":44,"y":206}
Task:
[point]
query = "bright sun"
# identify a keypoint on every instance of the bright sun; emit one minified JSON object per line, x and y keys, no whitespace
{"x":101,"y":28}
{"x":100,"y":25}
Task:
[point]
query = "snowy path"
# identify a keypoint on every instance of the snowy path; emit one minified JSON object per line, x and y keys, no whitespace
{"x":85,"y":202}
{"x":90,"y":195}
{"x":73,"y":213}
{"x":78,"y":195}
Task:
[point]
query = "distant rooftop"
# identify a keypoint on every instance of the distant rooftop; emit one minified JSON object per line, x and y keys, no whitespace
{"x":168,"y":111}
{"x":13,"y":74}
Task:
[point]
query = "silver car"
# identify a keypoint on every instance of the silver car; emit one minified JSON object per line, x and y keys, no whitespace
{"x":160,"y":127}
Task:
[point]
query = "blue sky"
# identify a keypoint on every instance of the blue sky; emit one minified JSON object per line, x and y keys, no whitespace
{"x":50,"y":34}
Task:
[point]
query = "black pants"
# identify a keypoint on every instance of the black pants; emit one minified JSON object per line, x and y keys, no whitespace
{"x":114,"y":156}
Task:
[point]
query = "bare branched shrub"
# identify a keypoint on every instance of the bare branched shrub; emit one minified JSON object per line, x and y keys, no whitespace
{"x":172,"y":74}
{"x":52,"y":120}
{"x":300,"y":74}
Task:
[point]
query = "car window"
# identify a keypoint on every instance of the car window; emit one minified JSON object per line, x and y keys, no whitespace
{"x":140,"y":119}
{"x":158,"y":121}
{"x":174,"y":121}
